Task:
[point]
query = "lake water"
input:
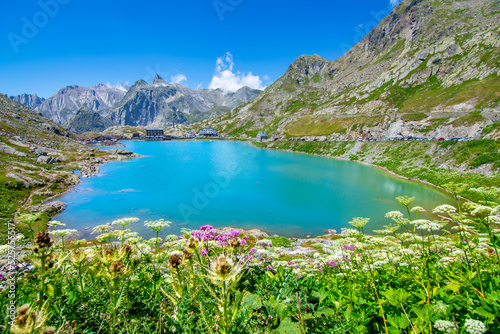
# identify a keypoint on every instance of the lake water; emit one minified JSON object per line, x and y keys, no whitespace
{"x":223,"y":183}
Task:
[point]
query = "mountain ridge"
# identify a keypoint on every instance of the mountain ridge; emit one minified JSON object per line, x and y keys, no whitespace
{"x":424,"y":68}
{"x":158,"y":103}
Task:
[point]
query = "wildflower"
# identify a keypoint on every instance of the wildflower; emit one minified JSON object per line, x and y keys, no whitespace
{"x":472,"y":326}
{"x":54,"y":223}
{"x":101,"y":229}
{"x":27,"y":321}
{"x":253,"y":250}
{"x":350,"y":232}
{"x":105,"y":237}
{"x":126,"y":251}
{"x":235,"y":242}
{"x":42,"y":241}
{"x":187,"y":254}
{"x":424,"y":224}
{"x":405,"y":200}
{"x":171,"y":237}
{"x":482,"y":209}
{"x":192,"y":243}
{"x":222,"y":267}
{"x":63,"y":233}
{"x":394,"y":214}
{"x":445,"y":208}
{"x":109,"y":252}
{"x":117,"y":267}
{"x":204,"y":252}
{"x":243,"y":242}
{"x":418,"y":209}
{"x":157,"y":225}
{"x":125,"y":221}
{"x":265,"y":243}
{"x":205,"y":233}
{"x":129,"y":235}
{"x":440,"y":307}
{"x":348,"y":247}
{"x":359,"y":222}
{"x":445,"y":326}
{"x":49,"y":330}
{"x":133,"y":240}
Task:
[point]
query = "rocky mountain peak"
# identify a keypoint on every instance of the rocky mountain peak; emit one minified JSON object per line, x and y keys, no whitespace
{"x":30,"y":100}
{"x":158,"y":80}
{"x":139,"y":83}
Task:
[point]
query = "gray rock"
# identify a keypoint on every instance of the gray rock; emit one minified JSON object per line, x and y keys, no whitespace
{"x":52,"y":208}
{"x":10,"y":150}
{"x":45,"y":159}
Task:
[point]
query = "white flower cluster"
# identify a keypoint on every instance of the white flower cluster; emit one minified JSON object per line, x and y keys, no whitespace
{"x":125,"y":221}
{"x":424,"y":224}
{"x":418,"y":209}
{"x":63,"y":233}
{"x":445,"y":208}
{"x":350,"y":232}
{"x":394,"y":215}
{"x":474,"y":326}
{"x":101,"y":229}
{"x":445,"y":326}
{"x":359,"y":222}
{"x":53,"y":223}
{"x":157,"y":225}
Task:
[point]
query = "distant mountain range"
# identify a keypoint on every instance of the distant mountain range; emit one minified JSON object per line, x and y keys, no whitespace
{"x":82,"y":109}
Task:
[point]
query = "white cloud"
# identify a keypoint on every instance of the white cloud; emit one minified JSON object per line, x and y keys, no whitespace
{"x":121,"y":86}
{"x":178,"y":79}
{"x":200,"y":86}
{"x":394,"y":2}
{"x":225,"y":79}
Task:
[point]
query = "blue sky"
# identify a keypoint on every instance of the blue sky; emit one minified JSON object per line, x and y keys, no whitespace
{"x":49,"y":44}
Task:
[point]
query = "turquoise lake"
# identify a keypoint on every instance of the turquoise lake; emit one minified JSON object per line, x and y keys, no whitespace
{"x":223,"y":183}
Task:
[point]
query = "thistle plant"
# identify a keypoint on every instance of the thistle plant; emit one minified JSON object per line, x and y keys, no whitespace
{"x":157,"y":226}
{"x":115,"y":270}
{"x":30,"y":321}
{"x":42,"y":250}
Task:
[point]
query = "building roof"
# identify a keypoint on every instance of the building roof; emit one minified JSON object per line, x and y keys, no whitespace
{"x":153,"y":129}
{"x":208,"y":130}
{"x":262,"y":133}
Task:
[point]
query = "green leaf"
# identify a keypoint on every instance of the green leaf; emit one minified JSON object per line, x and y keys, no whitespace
{"x":453,"y":286}
{"x":250,"y":302}
{"x":325,"y":311}
{"x":496,"y":240}
{"x":288,"y":327}
{"x":484,"y":313}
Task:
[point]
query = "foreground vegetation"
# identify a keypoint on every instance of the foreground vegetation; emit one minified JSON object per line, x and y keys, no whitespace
{"x":414,"y":277}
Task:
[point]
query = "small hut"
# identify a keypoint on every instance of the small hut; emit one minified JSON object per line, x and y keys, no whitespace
{"x":261,"y":136}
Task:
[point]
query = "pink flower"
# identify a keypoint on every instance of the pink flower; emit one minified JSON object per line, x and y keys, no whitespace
{"x":203,"y":252}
